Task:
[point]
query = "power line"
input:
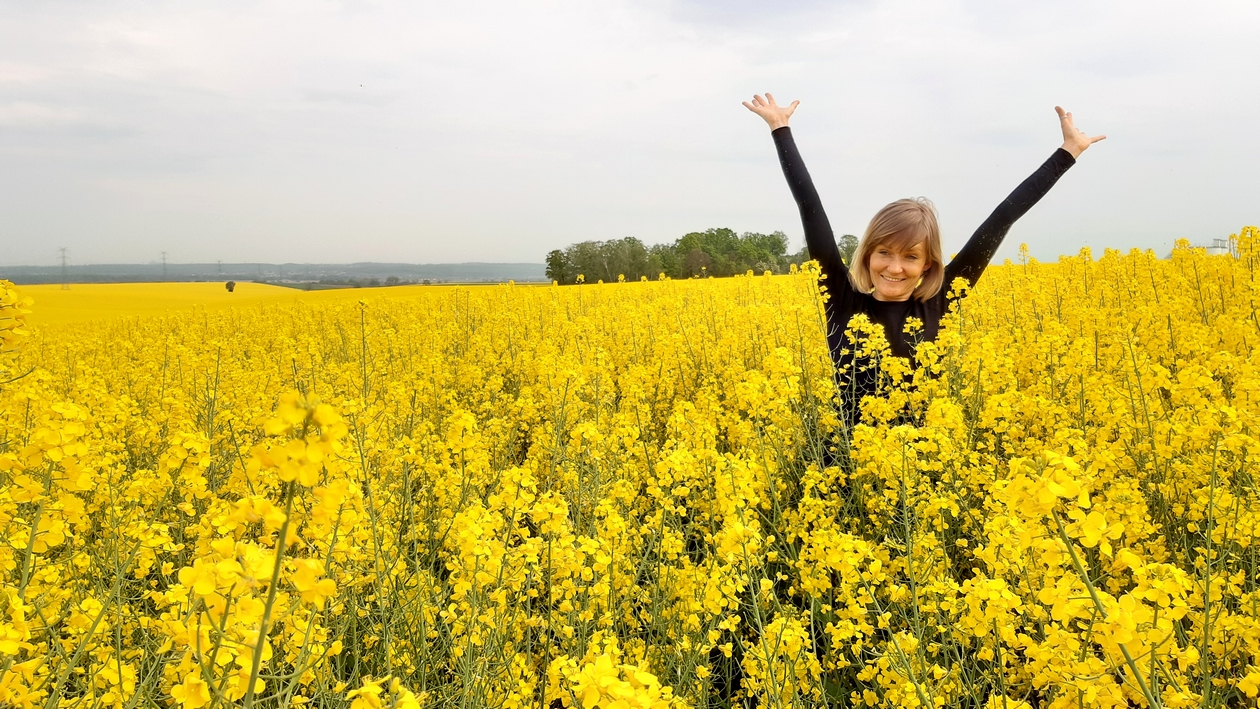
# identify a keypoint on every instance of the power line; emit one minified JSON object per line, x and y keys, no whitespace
{"x":65,"y":272}
{"x":163,"y":265}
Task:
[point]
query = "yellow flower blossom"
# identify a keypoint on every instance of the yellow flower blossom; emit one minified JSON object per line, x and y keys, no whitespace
{"x":306,"y":579}
{"x":192,"y":693}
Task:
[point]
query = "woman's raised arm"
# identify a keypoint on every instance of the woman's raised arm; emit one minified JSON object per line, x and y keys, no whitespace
{"x":819,"y":237}
{"x":976,"y":254}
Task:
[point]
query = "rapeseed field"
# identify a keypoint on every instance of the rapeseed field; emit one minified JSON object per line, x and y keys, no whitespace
{"x":640,"y":495}
{"x":84,"y":302}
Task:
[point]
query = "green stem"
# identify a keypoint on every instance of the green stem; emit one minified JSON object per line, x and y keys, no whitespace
{"x":1151,"y":699}
{"x":256,"y":663}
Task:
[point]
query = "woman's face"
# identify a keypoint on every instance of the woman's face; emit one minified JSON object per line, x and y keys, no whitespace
{"x":896,"y":272}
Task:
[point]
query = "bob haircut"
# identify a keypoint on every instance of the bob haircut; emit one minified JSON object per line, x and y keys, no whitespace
{"x":901,"y":225}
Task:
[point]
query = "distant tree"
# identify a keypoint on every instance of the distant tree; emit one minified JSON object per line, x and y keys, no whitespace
{"x":774,"y":244}
{"x":717,"y":244}
{"x":602,"y":261}
{"x":558,"y":267}
{"x":664,"y":258}
{"x":847,"y":245}
{"x":697,"y":263}
{"x":627,"y":257}
{"x":760,"y":253}
{"x":391,"y":281}
{"x":713,"y":252}
{"x":586,"y":260}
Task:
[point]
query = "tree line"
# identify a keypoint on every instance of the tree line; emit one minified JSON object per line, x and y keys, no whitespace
{"x":699,"y":254}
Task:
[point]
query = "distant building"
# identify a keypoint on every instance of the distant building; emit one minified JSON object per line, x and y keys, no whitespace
{"x":1221,"y":246}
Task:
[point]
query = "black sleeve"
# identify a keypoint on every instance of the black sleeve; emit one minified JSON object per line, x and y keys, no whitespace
{"x":819,"y":238}
{"x":975,"y":255}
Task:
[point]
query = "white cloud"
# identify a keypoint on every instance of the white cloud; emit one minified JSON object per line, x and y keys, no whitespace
{"x":496,"y":130}
{"x":20,"y":73}
{"x":22,"y":114}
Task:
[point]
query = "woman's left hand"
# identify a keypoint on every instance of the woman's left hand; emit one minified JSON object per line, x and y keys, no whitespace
{"x":1074,"y":141}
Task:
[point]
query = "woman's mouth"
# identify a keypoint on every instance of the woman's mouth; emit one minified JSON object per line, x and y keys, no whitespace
{"x":890,"y":279}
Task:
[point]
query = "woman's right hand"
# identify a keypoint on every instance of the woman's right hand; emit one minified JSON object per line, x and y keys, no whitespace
{"x":774,"y":114}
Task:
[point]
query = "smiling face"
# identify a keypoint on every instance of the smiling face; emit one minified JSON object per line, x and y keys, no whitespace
{"x":895,"y":271}
{"x":899,"y":256}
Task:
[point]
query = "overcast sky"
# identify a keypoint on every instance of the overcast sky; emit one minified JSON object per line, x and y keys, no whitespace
{"x":497,"y":130}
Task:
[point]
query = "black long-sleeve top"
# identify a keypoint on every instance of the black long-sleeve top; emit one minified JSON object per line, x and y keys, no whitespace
{"x":845,"y":301}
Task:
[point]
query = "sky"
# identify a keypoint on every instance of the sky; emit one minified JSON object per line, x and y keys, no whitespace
{"x":498,"y":130}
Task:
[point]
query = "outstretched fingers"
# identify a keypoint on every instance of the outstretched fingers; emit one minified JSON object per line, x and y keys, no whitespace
{"x":774,"y":114}
{"x":1075,"y":141}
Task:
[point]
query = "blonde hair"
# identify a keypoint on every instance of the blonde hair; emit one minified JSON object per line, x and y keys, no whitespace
{"x":901,"y":225}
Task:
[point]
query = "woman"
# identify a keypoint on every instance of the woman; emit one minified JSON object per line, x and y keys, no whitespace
{"x":897,"y":270}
